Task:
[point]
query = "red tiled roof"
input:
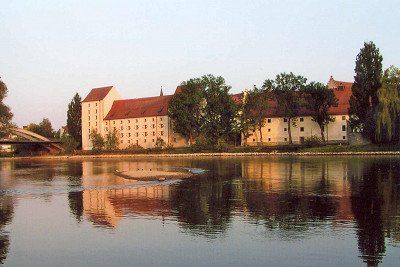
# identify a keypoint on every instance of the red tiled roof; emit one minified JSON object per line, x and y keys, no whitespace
{"x":237,"y":98}
{"x":342,"y":94}
{"x":139,"y":107}
{"x":97,"y":94}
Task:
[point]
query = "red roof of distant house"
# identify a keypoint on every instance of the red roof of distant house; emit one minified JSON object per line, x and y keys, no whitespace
{"x":139,"y":107}
{"x":97,"y":94}
{"x":237,"y":98}
{"x":342,"y":91}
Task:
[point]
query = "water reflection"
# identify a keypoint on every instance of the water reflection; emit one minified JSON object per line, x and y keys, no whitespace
{"x":290,"y":198}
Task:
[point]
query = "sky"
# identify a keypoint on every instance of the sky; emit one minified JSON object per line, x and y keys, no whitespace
{"x":49,"y":50}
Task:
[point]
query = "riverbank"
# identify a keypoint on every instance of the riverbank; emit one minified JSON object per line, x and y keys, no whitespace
{"x":328,"y":150}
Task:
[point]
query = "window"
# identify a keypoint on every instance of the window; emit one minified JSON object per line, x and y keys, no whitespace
{"x":284,"y":120}
{"x":89,"y":130}
{"x":153,"y":119}
{"x":89,"y":117}
{"x":153,"y":140}
{"x":145,"y":140}
{"x":285,"y":139}
{"x":301,"y":119}
{"x":106,"y":123}
{"x":113,"y":122}
{"x":122,"y":127}
{"x":89,"y":123}
{"x":145,"y":133}
{"x":115,"y":128}
{"x":136,"y":120}
{"x":254,"y":140}
{"x":162,"y":133}
{"x":145,"y":120}
{"x":162,"y":125}
{"x":96,"y":111}
{"x":301,"y":129}
{"x":89,"y":111}
{"x":89,"y":105}
{"x":269,"y":120}
{"x":269,"y":130}
{"x":129,"y":127}
{"x":160,"y":119}
{"x":96,"y":117}
{"x":343,"y":118}
{"x":129,"y":141}
{"x":137,"y":142}
{"x":269,"y":139}
{"x":340,"y":87}
{"x":120,"y":122}
{"x":137,"y":127}
{"x":343,"y":128}
{"x":153,"y":126}
{"x":137,"y":134}
{"x":96,"y":104}
{"x":344,"y":137}
{"x":122,"y":134}
{"x":154,"y":133}
{"x":106,"y":129}
{"x":122,"y":141}
{"x":254,"y":131}
{"x":285,"y":129}
{"x":96,"y":123}
{"x":145,"y":126}
{"x":129,"y":134}
{"x":129,"y":121}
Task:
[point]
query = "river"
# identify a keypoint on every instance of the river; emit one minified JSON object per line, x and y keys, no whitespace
{"x":250,"y":211}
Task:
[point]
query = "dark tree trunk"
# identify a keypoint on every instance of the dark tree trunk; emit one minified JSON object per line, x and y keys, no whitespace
{"x":322,"y":132}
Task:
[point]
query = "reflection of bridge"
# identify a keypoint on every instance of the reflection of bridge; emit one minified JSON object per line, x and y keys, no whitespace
{"x":31,"y":138}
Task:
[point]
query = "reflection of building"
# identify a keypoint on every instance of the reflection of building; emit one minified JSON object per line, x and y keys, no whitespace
{"x":308,"y":181}
{"x":109,"y":201}
{"x":275,"y":130}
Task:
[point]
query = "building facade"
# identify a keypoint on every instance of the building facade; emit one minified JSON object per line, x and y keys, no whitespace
{"x":275,"y":130}
{"x":138,"y":122}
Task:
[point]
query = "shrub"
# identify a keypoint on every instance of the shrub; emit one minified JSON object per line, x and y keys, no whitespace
{"x":97,"y":141}
{"x":160,"y":143}
{"x":69,"y":143}
{"x":112,"y":140}
{"x":313,"y":141}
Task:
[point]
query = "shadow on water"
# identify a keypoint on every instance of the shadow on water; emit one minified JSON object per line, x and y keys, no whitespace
{"x":293,"y":198}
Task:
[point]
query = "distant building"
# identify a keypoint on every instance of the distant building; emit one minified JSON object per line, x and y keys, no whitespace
{"x":275,"y":130}
{"x":138,"y":122}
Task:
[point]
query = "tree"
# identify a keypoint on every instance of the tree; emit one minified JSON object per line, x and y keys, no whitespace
{"x":367,"y":81}
{"x":97,"y":141}
{"x":255,"y":109}
{"x":219,"y":111}
{"x":285,"y":88}
{"x":185,"y":109}
{"x":74,"y":118}
{"x":388,"y":110}
{"x":112,"y":140}
{"x":44,"y":128}
{"x":5,"y":111}
{"x":68,"y":143}
{"x":318,"y":99}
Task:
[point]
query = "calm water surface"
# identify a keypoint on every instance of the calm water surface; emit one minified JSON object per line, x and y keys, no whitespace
{"x":341,"y":211}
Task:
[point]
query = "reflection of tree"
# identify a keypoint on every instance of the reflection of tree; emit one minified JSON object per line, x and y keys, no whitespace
{"x":367,"y":208}
{"x":75,"y":194}
{"x":204,"y":205}
{"x":6,"y":213}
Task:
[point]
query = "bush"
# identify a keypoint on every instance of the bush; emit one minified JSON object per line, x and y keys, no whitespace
{"x":69,"y":143}
{"x":97,"y":141}
{"x":201,"y":144}
{"x":112,"y":140}
{"x":313,"y":141}
{"x":160,"y":143}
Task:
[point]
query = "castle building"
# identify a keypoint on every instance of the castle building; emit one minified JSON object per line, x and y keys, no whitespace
{"x":138,"y":122}
{"x":275,"y":130}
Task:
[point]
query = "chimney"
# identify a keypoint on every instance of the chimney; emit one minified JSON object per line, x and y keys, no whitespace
{"x":161,"y":92}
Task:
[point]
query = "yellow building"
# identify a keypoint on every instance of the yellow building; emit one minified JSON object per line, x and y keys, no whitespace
{"x":275,"y":130}
{"x":138,"y":122}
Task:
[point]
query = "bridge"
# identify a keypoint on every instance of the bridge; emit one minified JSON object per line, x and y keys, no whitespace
{"x":31,"y":138}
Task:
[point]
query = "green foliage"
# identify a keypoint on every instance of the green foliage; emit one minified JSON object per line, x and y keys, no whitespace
{"x":44,"y":128}
{"x":254,"y":110}
{"x":388,"y":110}
{"x":220,"y":111}
{"x":202,"y":144}
{"x":185,"y":109}
{"x":69,"y":143}
{"x":160,"y":143}
{"x":285,"y":88}
{"x":112,"y":140}
{"x":74,"y":118}
{"x":318,"y":99}
{"x":5,"y":111}
{"x":313,"y":141}
{"x":367,"y":81}
{"x":97,"y":141}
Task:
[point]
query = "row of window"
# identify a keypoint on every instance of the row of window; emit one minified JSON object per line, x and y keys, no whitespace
{"x":301,"y":139}
{"x":301,"y":119}
{"x":301,"y":129}
{"x":136,"y":120}
{"x":95,"y":105}
{"x":144,"y":134}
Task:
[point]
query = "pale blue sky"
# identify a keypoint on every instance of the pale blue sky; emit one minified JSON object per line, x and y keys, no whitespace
{"x":51,"y":49}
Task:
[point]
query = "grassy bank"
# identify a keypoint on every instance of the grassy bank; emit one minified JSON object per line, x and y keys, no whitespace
{"x":232,"y":151}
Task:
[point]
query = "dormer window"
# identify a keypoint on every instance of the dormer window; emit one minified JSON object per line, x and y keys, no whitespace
{"x":340,"y":87}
